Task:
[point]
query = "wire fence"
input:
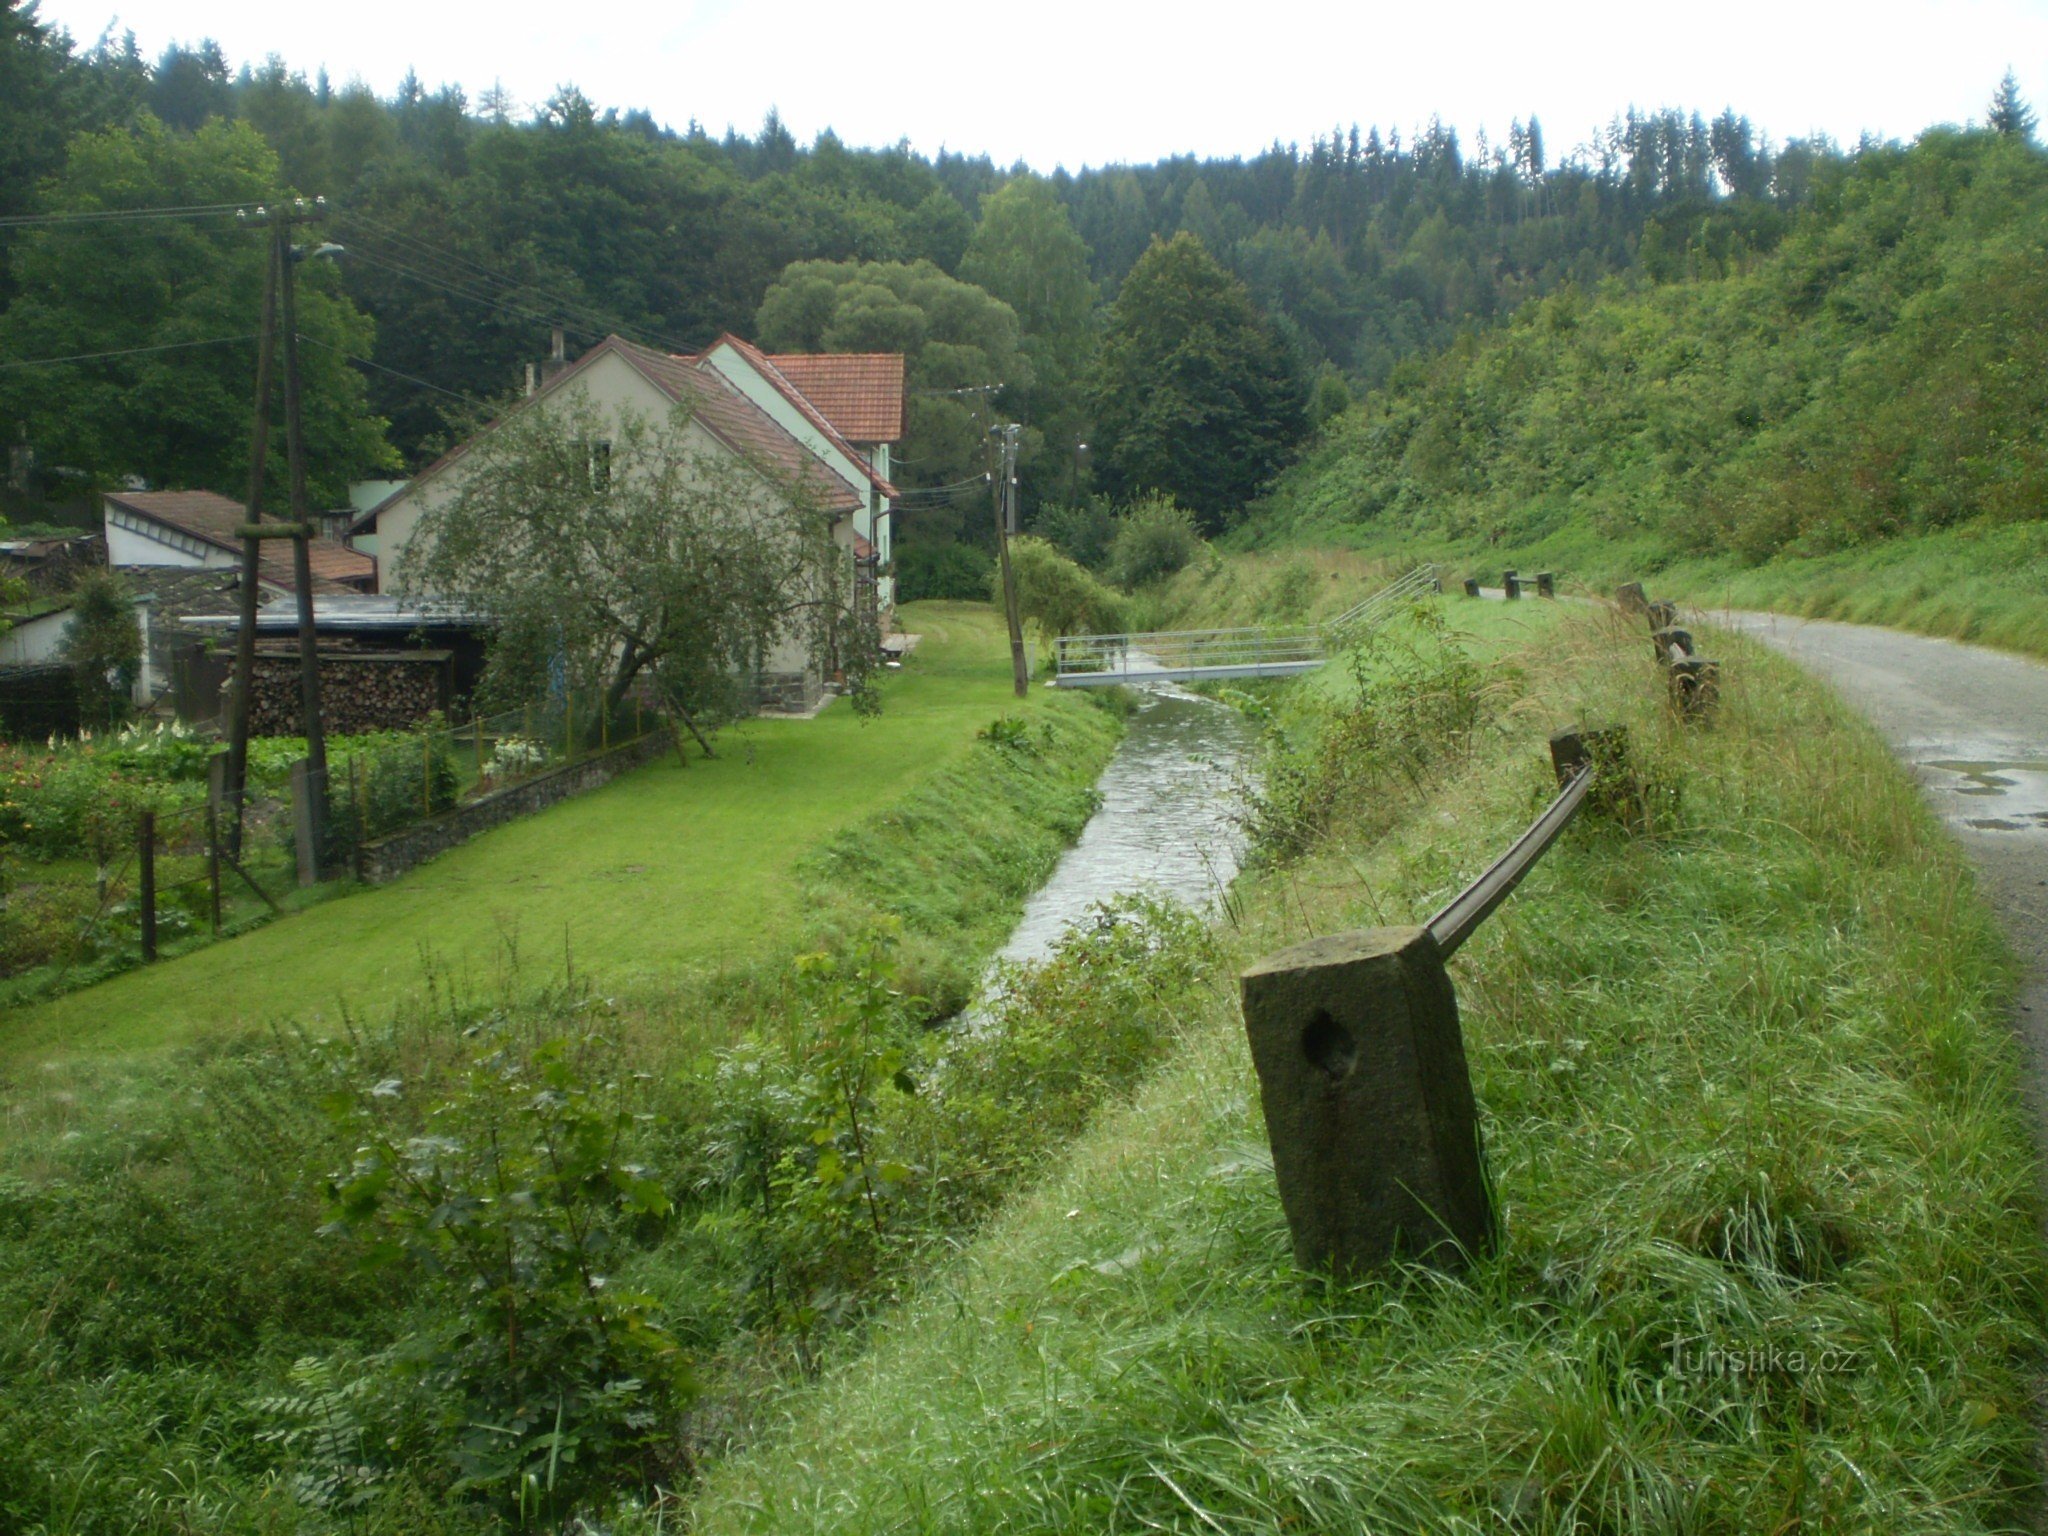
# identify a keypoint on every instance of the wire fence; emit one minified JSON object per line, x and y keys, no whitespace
{"x":173,"y":875}
{"x":385,"y":789}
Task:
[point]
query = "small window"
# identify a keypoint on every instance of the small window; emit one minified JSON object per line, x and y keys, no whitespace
{"x":601,"y":464}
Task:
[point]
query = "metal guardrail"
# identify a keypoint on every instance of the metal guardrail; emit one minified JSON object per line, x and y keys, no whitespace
{"x":1083,"y":661}
{"x":1451,"y":927}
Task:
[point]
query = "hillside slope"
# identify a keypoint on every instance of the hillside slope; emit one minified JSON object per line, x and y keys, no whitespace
{"x":1853,"y":425}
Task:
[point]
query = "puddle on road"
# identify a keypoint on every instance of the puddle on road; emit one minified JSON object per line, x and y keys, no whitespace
{"x":2017,"y":792}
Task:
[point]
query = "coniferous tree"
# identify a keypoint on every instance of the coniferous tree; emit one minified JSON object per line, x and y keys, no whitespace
{"x":2010,"y":114}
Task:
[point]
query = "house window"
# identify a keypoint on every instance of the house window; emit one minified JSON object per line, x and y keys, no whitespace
{"x":597,"y":462}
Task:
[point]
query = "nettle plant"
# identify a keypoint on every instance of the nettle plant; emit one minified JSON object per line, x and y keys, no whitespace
{"x":800,"y":1140}
{"x":512,"y":1196}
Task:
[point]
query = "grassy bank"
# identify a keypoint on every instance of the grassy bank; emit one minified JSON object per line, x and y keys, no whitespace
{"x":1978,"y":582}
{"x":192,"y":1335}
{"x":1770,"y":1262}
{"x":666,"y":873}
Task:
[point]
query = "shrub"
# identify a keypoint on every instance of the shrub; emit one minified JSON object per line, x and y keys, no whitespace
{"x":1055,"y":593}
{"x":1155,"y":539}
{"x":1417,"y":698}
{"x":1081,"y":533}
{"x":512,"y":1198}
{"x":956,"y":571}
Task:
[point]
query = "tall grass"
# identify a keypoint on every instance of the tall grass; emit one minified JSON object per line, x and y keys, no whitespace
{"x":1771,"y":1257}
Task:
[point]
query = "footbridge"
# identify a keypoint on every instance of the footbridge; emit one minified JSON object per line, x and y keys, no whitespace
{"x":1202,"y":655}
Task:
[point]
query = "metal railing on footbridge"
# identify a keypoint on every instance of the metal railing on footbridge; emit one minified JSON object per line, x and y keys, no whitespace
{"x":1197,"y":655}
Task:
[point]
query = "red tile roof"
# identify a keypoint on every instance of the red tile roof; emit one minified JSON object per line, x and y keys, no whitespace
{"x":860,"y":393}
{"x":718,"y":406}
{"x":203,"y":515}
{"x":758,"y":360}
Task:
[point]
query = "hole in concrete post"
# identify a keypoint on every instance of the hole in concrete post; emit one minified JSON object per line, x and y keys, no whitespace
{"x":1329,"y":1045}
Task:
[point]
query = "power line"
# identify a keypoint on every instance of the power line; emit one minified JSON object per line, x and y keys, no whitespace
{"x":110,"y":215}
{"x":92,"y":357}
{"x":475,"y":271}
{"x":466,"y":283}
{"x":453,"y":394}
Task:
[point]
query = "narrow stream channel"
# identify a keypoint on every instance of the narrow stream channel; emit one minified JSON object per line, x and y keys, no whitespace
{"x":1168,"y":823}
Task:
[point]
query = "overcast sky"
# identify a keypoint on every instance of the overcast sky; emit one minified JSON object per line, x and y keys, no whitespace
{"x":1078,"y":83}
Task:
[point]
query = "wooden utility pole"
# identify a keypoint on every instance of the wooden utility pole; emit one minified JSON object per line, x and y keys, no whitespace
{"x":278,"y":287}
{"x":1006,"y":504}
{"x":302,"y":559}
{"x":236,"y":785}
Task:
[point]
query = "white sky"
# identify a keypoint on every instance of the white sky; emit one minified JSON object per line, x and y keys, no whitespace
{"x":1071,"y":82}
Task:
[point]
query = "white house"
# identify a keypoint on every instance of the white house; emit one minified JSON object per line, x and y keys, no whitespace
{"x":38,"y":641}
{"x":735,"y":410}
{"x":845,"y":407}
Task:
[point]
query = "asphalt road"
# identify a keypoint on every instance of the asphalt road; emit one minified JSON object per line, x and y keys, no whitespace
{"x":1973,"y":726}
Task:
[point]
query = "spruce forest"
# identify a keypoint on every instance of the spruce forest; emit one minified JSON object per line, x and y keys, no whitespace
{"x":1342,"y":267}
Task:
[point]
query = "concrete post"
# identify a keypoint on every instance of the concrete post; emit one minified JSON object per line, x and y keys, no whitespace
{"x":1511,"y":584}
{"x":1368,"y":1102}
{"x":1546,"y":584}
{"x":1630,"y":597}
{"x":1667,"y":640}
{"x":1695,"y":685}
{"x":1471,"y":586}
{"x":1661,"y":615}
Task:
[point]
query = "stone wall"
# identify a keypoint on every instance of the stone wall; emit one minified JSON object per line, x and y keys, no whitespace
{"x":389,"y":857}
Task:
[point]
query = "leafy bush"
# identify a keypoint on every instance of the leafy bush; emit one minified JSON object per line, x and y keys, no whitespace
{"x":1082,"y":533}
{"x":1054,"y":593}
{"x":1417,"y":698}
{"x":956,"y":571}
{"x":513,"y":1198}
{"x":1154,"y":539}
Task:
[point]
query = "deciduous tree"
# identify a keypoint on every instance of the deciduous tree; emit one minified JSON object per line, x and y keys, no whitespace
{"x":1195,"y":394}
{"x":660,"y":557}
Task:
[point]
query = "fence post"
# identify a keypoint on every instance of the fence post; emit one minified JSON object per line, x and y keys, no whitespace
{"x":145,"y":858}
{"x":427,"y":771}
{"x":1367,"y":1100}
{"x":476,"y":729}
{"x":303,"y":790}
{"x":355,"y":798}
{"x":216,"y":791}
{"x":213,"y":861}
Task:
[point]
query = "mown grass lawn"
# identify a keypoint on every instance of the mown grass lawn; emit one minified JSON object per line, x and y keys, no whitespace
{"x":666,"y":871}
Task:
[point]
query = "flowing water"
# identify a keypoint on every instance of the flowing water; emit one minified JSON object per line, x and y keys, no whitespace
{"x":1168,"y":823}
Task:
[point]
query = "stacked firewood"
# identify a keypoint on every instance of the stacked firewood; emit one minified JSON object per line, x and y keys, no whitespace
{"x":359,"y":691}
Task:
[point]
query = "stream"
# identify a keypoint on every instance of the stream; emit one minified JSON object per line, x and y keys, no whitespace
{"x":1168,"y":822}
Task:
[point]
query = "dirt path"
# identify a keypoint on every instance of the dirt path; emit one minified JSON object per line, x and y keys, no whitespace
{"x":1973,"y":725}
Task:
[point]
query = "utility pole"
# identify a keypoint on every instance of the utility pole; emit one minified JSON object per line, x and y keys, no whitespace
{"x":1006,"y":517}
{"x":235,"y":786}
{"x":279,"y":291}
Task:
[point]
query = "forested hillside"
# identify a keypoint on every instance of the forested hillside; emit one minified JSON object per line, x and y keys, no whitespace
{"x":1881,"y":375}
{"x":472,"y":228}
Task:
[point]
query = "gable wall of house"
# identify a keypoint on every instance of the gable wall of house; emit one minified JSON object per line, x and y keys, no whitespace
{"x":132,"y":542}
{"x":872,"y":522}
{"x":747,"y":379}
{"x":614,"y":389}
{"x":35,"y":642}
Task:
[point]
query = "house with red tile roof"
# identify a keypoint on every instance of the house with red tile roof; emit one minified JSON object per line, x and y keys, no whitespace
{"x":848,"y":408}
{"x":731,"y":409}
